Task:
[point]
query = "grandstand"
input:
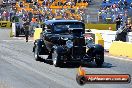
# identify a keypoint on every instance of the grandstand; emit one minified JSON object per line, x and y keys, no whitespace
{"x":112,"y":8}
{"x":88,"y":12}
{"x":68,"y":7}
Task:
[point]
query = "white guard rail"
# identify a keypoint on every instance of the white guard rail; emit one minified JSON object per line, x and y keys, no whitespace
{"x":109,"y":37}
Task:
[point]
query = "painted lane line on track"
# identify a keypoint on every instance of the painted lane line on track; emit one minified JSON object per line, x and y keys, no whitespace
{"x":16,"y":40}
{"x":21,"y":64}
{"x":120,"y":58}
{"x":23,"y":38}
{"x":11,"y":40}
{"x":19,"y":38}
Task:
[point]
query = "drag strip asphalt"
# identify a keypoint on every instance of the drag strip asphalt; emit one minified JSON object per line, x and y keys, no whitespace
{"x":18,"y":68}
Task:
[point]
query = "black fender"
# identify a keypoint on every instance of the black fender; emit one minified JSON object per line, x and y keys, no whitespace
{"x":60,"y":49}
{"x":41,"y":47}
{"x":99,"y":54}
{"x":35,"y":44}
{"x":96,"y":48}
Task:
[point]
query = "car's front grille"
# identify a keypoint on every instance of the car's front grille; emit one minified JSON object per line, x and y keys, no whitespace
{"x":80,"y":41}
{"x":79,"y":48}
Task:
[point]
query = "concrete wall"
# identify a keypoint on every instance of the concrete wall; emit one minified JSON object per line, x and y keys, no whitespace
{"x":119,"y":48}
{"x":101,"y":26}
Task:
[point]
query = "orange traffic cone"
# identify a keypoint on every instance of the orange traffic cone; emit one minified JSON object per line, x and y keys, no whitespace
{"x":110,"y":28}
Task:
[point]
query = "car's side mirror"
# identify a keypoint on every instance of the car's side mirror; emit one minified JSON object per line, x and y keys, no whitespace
{"x":47,"y":31}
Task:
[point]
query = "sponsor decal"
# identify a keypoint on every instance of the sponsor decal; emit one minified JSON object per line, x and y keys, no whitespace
{"x":83,"y":78}
{"x":3,"y":24}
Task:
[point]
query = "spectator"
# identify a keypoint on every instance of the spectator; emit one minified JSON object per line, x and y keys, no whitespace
{"x":107,"y":1}
{"x":33,"y":23}
{"x":4,"y":15}
{"x":124,"y":18}
{"x":28,"y":1}
{"x":118,"y":22}
{"x":122,"y":32}
{"x":131,"y":5}
{"x":26,"y":27}
{"x":128,"y":27}
{"x":51,"y":1}
{"x":0,"y":17}
{"x":21,"y":4}
{"x":59,"y":3}
{"x":45,"y":2}
{"x":35,"y":3}
{"x":104,"y":1}
{"x":113,"y":18}
{"x":125,"y":3}
{"x":75,"y":1}
{"x":120,"y":2}
{"x":30,"y":16}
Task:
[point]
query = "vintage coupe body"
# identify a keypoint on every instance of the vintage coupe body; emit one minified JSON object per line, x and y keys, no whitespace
{"x":64,"y":41}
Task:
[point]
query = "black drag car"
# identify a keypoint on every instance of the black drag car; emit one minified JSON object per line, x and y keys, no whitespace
{"x":64,"y":41}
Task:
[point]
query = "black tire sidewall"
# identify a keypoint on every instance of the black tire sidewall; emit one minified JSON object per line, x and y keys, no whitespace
{"x":99,"y":61}
{"x":57,"y":56}
{"x":36,"y":53}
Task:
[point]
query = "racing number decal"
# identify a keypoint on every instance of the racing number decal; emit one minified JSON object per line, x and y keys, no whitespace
{"x":3,"y":24}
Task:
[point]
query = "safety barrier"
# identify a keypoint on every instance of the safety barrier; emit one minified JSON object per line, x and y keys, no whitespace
{"x":101,"y":26}
{"x":129,"y":37}
{"x":37,"y":33}
{"x":119,"y":48}
{"x":5,"y":24}
{"x":97,"y":37}
{"x":109,"y":36}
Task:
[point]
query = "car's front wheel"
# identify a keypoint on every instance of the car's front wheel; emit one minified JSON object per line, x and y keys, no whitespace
{"x":99,"y":59}
{"x":56,"y":59}
{"x":36,"y":54}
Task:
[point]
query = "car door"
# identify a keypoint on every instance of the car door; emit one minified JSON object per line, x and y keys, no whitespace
{"x":47,"y":36}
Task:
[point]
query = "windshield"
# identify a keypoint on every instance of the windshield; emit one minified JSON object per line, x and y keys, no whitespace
{"x":64,"y":27}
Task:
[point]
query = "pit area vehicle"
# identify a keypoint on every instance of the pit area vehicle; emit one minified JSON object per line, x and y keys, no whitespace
{"x":64,"y":41}
{"x":19,"y":29}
